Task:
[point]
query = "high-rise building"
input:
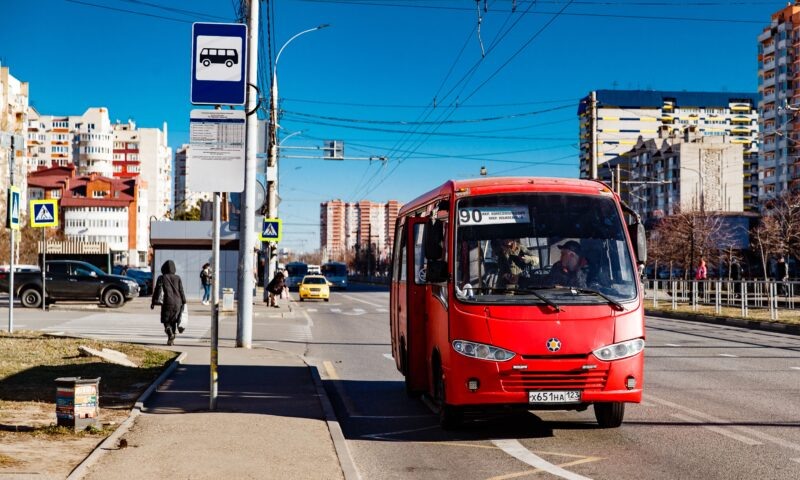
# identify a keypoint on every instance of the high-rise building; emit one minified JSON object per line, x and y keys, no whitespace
{"x":364,"y":225}
{"x":611,"y":122}
{"x":779,"y":92}
{"x":14,"y":112}
{"x":686,"y":172}
{"x":185,"y":199}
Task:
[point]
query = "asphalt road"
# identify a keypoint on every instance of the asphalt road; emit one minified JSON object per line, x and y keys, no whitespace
{"x":720,"y":402}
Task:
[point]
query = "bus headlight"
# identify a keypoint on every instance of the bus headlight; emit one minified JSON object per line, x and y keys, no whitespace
{"x":481,"y":351}
{"x":619,"y":350}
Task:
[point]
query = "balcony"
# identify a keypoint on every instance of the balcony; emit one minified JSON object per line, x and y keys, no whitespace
{"x":768,"y":114}
{"x":769,"y":98}
{"x":765,"y":35}
{"x":768,"y":64}
{"x":768,"y":81}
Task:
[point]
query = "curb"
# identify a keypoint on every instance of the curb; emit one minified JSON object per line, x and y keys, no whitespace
{"x":110,"y":442}
{"x":346,"y":462}
{"x":791,"y":329}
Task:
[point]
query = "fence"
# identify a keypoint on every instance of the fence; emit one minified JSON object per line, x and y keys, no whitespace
{"x":745,"y":295}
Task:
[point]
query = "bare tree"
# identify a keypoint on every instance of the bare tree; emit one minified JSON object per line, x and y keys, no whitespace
{"x":767,"y":240}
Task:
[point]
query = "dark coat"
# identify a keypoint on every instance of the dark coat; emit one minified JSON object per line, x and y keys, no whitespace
{"x":275,"y":286}
{"x":174,"y":298}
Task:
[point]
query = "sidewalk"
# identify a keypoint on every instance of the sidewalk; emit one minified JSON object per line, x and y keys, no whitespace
{"x":270,"y":422}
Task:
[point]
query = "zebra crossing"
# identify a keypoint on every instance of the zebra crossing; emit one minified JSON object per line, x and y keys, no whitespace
{"x":130,"y":328}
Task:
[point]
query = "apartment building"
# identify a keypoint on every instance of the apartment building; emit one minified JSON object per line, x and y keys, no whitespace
{"x":13,"y":119}
{"x":681,"y":172}
{"x":346,"y":227}
{"x":611,"y":122}
{"x":779,"y":99}
{"x":186,"y":199}
{"x":95,"y":208}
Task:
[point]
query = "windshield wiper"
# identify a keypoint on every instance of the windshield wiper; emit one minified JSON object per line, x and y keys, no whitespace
{"x":536,"y":294}
{"x":591,"y":291}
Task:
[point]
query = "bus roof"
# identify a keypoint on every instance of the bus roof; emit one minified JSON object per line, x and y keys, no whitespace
{"x":484,"y":186}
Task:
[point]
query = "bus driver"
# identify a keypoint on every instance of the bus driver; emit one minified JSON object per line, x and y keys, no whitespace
{"x":569,"y":270}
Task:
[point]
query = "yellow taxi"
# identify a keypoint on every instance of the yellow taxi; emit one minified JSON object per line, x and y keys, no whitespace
{"x":315,"y":286}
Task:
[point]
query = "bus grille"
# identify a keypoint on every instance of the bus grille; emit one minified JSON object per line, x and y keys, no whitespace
{"x":572,"y":380}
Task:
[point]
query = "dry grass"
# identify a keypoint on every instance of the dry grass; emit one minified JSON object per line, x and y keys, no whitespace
{"x":6,"y":461}
{"x":791,"y":317}
{"x":31,"y":361}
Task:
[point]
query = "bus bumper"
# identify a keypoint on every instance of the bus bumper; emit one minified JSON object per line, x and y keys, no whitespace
{"x":511,"y":382}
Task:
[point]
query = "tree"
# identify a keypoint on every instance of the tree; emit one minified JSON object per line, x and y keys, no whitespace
{"x":767,"y":240}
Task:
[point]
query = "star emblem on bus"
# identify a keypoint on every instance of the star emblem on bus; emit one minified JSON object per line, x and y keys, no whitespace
{"x":554,"y":345}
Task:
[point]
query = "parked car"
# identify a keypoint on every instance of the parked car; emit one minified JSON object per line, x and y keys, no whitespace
{"x":71,"y":280}
{"x":142,"y":277}
{"x":20,"y":268}
{"x":314,"y":286}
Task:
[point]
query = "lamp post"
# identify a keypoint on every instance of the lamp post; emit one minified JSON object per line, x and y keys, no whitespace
{"x":272,"y":160}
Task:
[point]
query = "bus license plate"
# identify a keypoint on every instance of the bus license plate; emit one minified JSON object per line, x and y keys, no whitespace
{"x":564,"y":396}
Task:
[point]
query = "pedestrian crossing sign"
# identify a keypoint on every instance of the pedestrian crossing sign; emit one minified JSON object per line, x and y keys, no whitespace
{"x":44,"y":213}
{"x":271,"y":230}
{"x":12,"y":208}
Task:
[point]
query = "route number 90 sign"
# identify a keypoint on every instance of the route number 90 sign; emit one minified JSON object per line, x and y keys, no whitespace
{"x":493,"y":215}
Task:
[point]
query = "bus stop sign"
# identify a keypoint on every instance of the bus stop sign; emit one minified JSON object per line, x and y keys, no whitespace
{"x":219,"y":57}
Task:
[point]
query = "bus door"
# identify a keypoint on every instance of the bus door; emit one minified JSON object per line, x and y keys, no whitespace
{"x":416,"y":306}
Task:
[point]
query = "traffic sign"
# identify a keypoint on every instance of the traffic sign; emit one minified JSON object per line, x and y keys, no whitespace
{"x":219,"y":58}
{"x":12,"y":210}
{"x":44,"y":213}
{"x":271,"y":230}
{"x":215,"y":160}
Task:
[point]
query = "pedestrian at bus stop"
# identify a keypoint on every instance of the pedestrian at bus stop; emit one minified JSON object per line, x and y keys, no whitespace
{"x":168,"y":293}
{"x":206,"y":277}
{"x":275,"y":288}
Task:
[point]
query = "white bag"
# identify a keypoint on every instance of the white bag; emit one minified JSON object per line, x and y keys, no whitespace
{"x":184,"y":320}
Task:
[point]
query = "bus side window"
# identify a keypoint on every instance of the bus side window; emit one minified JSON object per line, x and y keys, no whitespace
{"x":399,"y":261}
{"x":419,"y":254}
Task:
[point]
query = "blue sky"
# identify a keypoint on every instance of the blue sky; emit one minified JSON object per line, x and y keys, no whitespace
{"x":371,"y":78}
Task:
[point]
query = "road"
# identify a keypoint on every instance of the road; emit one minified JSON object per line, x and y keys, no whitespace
{"x":720,"y":402}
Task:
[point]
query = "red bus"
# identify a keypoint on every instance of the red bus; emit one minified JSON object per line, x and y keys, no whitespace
{"x":521,"y":293}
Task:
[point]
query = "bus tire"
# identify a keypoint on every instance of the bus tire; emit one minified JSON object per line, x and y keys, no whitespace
{"x":609,"y":415}
{"x":450,"y":416}
{"x":31,"y":298}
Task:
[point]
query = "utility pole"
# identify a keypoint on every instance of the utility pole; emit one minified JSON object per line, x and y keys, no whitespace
{"x":247,"y":236}
{"x":11,"y":165}
{"x":593,"y":152}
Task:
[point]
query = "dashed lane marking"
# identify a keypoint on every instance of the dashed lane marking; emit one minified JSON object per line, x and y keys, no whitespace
{"x":729,"y":355}
{"x":389,"y":356}
{"x":516,"y":450}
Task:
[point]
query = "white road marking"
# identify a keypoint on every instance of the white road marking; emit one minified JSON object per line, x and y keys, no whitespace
{"x":330,"y":370}
{"x":352,"y":411}
{"x":310,"y":310}
{"x":796,"y":460}
{"x":721,"y":431}
{"x":362,"y":301}
{"x":672,"y":345}
{"x":382,"y":436}
{"x":728,"y":355}
{"x":354,"y":313}
{"x":389,"y":356}
{"x":516,"y":450}
{"x":795,"y":368}
{"x":382,"y":310}
{"x":746,"y":430}
{"x":336,"y":310}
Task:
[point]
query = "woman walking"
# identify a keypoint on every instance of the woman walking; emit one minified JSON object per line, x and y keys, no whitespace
{"x":169,"y":294}
{"x":205,"y":278}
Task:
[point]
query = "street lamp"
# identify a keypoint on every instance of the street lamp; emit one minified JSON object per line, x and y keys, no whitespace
{"x":272,"y":161}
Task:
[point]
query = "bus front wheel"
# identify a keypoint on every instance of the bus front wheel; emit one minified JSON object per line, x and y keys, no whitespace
{"x":450,"y":416}
{"x":609,"y":415}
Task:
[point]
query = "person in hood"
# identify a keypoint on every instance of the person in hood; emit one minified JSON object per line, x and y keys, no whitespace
{"x":169,"y":294}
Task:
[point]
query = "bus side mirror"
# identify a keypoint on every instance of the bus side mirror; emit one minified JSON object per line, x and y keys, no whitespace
{"x":436,"y":271}
{"x":432,"y":240}
{"x":639,"y":239}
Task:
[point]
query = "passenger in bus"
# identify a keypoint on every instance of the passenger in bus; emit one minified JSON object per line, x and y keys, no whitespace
{"x":513,"y":259}
{"x":569,"y":271}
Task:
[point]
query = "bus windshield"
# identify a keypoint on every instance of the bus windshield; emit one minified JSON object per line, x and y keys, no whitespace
{"x":542,"y":247}
{"x":297,"y":269}
{"x":334,"y":270}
